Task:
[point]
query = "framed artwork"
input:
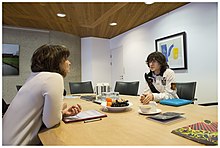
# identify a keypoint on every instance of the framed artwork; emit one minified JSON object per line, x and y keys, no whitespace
{"x":173,"y":48}
{"x":10,"y":59}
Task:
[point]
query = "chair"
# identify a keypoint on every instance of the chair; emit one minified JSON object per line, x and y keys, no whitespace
{"x":18,"y":87}
{"x":186,"y":90}
{"x":4,"y":107}
{"x":81,"y":87}
{"x":64,"y":92}
{"x":127,"y":88}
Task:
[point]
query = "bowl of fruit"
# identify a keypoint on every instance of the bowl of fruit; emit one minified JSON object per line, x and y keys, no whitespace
{"x":116,"y":105}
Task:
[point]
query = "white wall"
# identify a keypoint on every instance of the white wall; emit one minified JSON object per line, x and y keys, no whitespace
{"x":29,"y":40}
{"x":95,"y":60}
{"x":199,"y":21}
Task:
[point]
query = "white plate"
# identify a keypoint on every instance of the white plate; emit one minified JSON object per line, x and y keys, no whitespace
{"x":149,"y":113}
{"x":115,"y":109}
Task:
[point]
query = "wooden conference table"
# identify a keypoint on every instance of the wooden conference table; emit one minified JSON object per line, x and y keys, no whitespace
{"x":128,"y":128}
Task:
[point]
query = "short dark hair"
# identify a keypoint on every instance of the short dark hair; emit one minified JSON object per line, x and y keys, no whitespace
{"x":160,"y":58}
{"x":48,"y":58}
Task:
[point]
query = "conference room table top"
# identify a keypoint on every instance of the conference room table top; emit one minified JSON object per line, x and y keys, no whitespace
{"x":127,"y":128}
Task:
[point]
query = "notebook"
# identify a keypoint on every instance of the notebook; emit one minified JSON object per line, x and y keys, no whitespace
{"x":167,"y":117}
{"x":84,"y":115}
{"x":175,"y":102}
{"x":205,"y":132}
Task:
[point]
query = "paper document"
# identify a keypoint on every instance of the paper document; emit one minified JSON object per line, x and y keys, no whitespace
{"x":85,"y":115}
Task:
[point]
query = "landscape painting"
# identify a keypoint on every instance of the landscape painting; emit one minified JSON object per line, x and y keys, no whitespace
{"x":10,"y":59}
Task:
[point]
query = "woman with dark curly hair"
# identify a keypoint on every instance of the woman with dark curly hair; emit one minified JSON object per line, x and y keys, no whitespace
{"x":161,"y":79}
{"x":40,"y":100}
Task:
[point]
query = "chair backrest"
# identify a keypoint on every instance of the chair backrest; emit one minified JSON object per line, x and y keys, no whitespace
{"x":4,"y":106}
{"x":186,"y":90}
{"x":64,"y":92}
{"x":18,"y":87}
{"x":127,"y":88}
{"x":81,"y":87}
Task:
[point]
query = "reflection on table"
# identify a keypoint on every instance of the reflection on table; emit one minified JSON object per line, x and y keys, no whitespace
{"x":125,"y":128}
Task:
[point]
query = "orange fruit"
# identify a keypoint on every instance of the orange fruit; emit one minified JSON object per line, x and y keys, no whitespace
{"x":108,"y":99}
{"x":109,"y":103}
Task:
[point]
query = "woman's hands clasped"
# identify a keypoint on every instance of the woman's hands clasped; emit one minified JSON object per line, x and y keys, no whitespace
{"x":146,"y":98}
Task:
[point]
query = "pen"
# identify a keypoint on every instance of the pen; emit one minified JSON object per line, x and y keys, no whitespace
{"x":91,"y":120}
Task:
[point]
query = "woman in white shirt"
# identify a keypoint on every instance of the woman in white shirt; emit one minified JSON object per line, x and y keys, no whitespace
{"x":159,"y":79}
{"x":40,"y":100}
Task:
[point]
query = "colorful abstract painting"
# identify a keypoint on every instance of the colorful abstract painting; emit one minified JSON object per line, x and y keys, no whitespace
{"x":173,"y":47}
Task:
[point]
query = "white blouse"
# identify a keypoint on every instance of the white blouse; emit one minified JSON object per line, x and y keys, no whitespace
{"x":164,"y":89}
{"x":38,"y":101}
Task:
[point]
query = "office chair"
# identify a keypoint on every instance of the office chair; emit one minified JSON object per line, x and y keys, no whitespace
{"x":64,"y":92}
{"x":81,"y":87}
{"x":186,"y":90}
{"x":18,"y":87}
{"x":127,"y":88}
{"x":4,"y":107}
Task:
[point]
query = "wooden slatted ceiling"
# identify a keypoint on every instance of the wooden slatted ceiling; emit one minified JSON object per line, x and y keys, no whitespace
{"x":89,"y":19}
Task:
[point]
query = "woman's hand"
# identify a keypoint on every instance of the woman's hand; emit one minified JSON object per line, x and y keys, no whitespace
{"x":73,"y":110}
{"x":146,"y":98}
{"x":142,"y":97}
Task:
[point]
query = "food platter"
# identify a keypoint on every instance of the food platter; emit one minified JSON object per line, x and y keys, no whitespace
{"x":115,"y":109}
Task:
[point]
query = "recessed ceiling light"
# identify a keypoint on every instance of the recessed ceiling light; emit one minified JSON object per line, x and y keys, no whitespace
{"x":113,"y":24}
{"x":61,"y":14}
{"x":149,"y":2}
